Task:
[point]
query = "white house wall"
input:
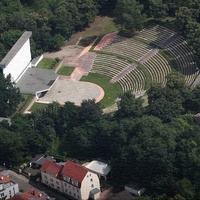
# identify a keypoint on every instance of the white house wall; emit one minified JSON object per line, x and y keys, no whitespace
{"x":20,"y":62}
{"x":51,"y":181}
{"x":90,"y":182}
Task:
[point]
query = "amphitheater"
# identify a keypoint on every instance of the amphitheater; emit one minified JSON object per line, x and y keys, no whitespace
{"x":136,"y":62}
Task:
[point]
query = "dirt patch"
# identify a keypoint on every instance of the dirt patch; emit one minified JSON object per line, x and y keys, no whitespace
{"x":66,"y":51}
{"x":100,"y":26}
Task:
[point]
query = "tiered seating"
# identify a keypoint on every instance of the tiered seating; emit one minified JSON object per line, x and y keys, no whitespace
{"x":108,"y":65}
{"x":158,"y":67}
{"x":184,"y":58}
{"x":133,"y":81}
{"x":112,"y":66}
{"x":156,"y":34}
{"x":128,"y":47}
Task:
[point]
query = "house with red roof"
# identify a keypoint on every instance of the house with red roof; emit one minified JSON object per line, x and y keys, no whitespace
{"x":79,"y":182}
{"x":32,"y":194}
{"x":71,"y":179}
{"x":8,"y":188}
{"x":50,"y":172}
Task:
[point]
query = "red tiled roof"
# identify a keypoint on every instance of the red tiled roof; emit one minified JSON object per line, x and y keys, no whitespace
{"x":4,"y":179}
{"x":51,"y":167}
{"x":74,"y":171}
{"x":29,"y":194}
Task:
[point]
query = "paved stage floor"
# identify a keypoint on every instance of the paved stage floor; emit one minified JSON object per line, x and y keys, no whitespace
{"x":64,"y":90}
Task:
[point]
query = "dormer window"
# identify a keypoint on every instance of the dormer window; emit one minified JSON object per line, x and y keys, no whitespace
{"x":66,"y":178}
{"x":74,"y":182}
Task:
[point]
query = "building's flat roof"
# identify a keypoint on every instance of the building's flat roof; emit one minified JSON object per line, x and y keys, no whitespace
{"x":16,"y":47}
{"x":98,"y":167}
{"x":36,"y":79}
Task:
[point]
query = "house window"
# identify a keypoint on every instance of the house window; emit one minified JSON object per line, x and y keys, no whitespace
{"x":45,"y":176}
{"x":57,"y":182}
{"x":51,"y":179}
{"x":92,"y":185}
{"x":2,"y":194}
{"x":91,"y":179}
{"x":9,"y":191}
{"x":77,"y":190}
{"x":77,"y":196}
{"x":74,"y":195}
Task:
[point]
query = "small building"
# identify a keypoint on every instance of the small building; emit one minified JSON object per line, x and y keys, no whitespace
{"x":32,"y":194}
{"x":100,"y":168}
{"x":39,"y":159}
{"x":8,"y":188}
{"x":135,"y":189}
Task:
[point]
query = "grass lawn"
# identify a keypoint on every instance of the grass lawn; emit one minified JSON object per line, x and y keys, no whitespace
{"x":101,"y":26}
{"x":45,"y":63}
{"x":112,"y":91}
{"x":37,"y":106}
{"x":65,"y":70}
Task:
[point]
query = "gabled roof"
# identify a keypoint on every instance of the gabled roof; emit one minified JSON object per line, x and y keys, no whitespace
{"x":31,"y":194}
{"x":17,"y":46}
{"x":51,"y":167}
{"x":74,"y":171}
{"x":4,"y":179}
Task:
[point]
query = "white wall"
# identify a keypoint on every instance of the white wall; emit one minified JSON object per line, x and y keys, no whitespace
{"x":71,"y":190}
{"x":20,"y":62}
{"x":51,"y":181}
{"x":90,"y":182}
{"x":9,"y":191}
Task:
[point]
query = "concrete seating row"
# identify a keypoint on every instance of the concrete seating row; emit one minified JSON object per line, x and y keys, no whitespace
{"x":158,"y":67}
{"x":128,"y":47}
{"x":156,"y":34}
{"x":184,"y":58}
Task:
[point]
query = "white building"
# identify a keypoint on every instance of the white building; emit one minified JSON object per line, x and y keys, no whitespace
{"x":79,"y":182}
{"x":71,"y":179}
{"x":50,"y":175}
{"x":8,"y":188}
{"x":18,"y":59}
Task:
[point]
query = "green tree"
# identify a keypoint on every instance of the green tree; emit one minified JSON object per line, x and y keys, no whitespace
{"x":129,"y":106}
{"x":10,"y":96}
{"x":129,"y":15}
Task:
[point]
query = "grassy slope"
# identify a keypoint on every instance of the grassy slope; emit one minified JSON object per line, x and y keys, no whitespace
{"x":37,"y":106}
{"x":65,"y":70}
{"x":45,"y":63}
{"x":112,"y":91}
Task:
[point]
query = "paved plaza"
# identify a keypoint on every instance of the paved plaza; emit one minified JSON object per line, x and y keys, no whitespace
{"x":64,"y":90}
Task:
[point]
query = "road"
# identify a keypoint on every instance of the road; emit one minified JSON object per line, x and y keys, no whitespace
{"x":25,"y":184}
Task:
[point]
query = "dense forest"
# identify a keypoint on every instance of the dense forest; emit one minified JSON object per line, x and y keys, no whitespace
{"x":55,"y":21}
{"x":157,"y":145}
